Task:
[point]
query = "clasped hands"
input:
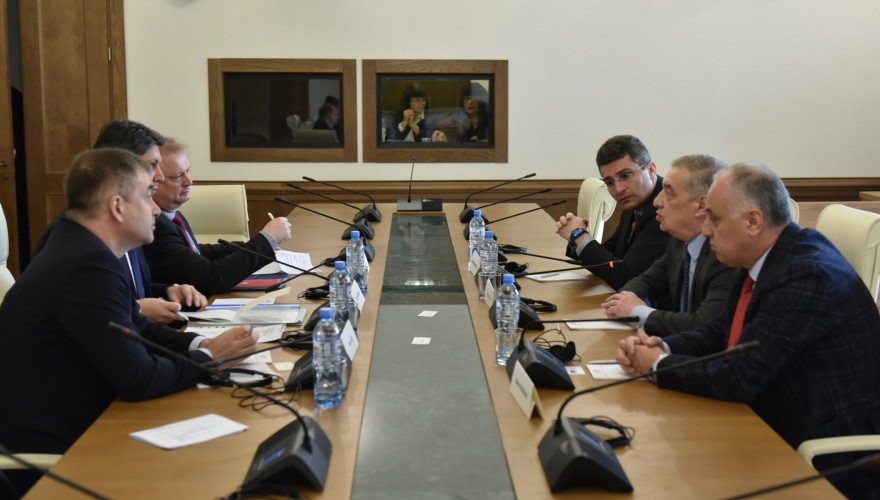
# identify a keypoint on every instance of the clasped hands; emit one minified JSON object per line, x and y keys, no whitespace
{"x":568,"y":223}
{"x":637,"y":353}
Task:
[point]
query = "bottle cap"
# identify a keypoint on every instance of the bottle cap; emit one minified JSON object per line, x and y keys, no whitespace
{"x":355,"y":235}
{"x":507,"y":278}
{"x":326,"y":313}
{"x":490,"y":235}
{"x":478,"y":213}
{"x":340,"y":265}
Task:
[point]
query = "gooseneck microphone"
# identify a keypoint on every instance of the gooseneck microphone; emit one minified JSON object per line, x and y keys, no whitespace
{"x":368,"y":247}
{"x":371,"y":211}
{"x":61,"y":479}
{"x":509,"y":200}
{"x":872,"y":460}
{"x":573,"y":456}
{"x":299,"y":452}
{"x":468,"y":212}
{"x":408,"y":204}
{"x":360,"y":223}
{"x":273,"y":259}
{"x":466,"y":231}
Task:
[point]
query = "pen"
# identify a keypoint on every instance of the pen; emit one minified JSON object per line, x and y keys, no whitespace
{"x":271,"y":217}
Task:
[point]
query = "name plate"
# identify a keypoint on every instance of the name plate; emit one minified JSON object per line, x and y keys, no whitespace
{"x":524,"y":392}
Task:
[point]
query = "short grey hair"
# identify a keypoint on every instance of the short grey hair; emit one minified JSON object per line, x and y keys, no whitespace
{"x":703,"y":170}
{"x":753,"y":185}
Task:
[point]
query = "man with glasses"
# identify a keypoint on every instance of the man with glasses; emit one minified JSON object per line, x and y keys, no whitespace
{"x":176,"y":256}
{"x":687,"y":286}
{"x":631,"y":177}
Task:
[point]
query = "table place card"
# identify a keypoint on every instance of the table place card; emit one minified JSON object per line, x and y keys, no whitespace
{"x":357,"y":295}
{"x":606,"y":370}
{"x":575,"y":370}
{"x":428,"y":314}
{"x":421,"y":340}
{"x":490,"y":294}
{"x":559,"y":276}
{"x":598,"y":325}
{"x":524,"y":392}
{"x":349,"y":340}
{"x":474,"y":263}
{"x":187,"y":432}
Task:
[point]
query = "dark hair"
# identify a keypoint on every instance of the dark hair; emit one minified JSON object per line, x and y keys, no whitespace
{"x":129,"y":135}
{"x":332,"y":100}
{"x":753,"y":185}
{"x":621,"y":146}
{"x":703,"y":170}
{"x":411,"y":92}
{"x":325,"y":109}
{"x":95,"y":172}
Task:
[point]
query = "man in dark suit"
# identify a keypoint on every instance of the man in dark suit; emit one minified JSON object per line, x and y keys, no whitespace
{"x":176,"y":256}
{"x":687,"y":286}
{"x":161,"y":302}
{"x":54,"y":321}
{"x":815,"y":373}
{"x":626,"y":168}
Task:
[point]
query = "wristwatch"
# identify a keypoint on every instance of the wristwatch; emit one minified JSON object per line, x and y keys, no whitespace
{"x":575,"y":235}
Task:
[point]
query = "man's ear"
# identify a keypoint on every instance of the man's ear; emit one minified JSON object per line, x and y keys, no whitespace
{"x":701,"y":206}
{"x":755,"y":221}
{"x":116,"y":208}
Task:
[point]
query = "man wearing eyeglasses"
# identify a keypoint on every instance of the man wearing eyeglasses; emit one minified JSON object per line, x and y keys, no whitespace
{"x":176,"y":256}
{"x":631,"y":177}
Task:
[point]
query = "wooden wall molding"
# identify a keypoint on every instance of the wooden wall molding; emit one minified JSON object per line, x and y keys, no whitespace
{"x":261,"y":195}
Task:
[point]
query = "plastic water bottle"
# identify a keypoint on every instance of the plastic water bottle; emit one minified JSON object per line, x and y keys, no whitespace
{"x":488,"y":261}
{"x":355,"y":259}
{"x":477,"y":230}
{"x":506,"y":319}
{"x":340,"y":297}
{"x":326,"y":348}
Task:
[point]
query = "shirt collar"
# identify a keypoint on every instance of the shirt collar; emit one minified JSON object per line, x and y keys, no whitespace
{"x":170,"y":215}
{"x":755,"y":270}
{"x":695,"y":245}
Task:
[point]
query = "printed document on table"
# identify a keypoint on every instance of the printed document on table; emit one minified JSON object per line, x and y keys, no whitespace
{"x":298,"y":259}
{"x":187,"y":432}
{"x":560,"y":276}
{"x":606,"y":370}
{"x":598,"y":325}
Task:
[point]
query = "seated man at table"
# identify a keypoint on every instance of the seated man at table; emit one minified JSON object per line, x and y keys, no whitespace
{"x":687,"y":286}
{"x":161,"y":302}
{"x":815,"y":373}
{"x":626,"y":167}
{"x":60,"y":363}
{"x":176,"y":256}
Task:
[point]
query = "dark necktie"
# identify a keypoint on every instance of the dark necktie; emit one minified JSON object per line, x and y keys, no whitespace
{"x":178,"y":221}
{"x":686,"y":281}
{"x":136,"y":272}
{"x":739,"y":315}
{"x":636,"y":218}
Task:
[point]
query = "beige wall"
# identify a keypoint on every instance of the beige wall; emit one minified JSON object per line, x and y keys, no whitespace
{"x":793,"y":83}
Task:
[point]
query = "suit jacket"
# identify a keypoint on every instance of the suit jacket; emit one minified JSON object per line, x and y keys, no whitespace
{"x":396,"y":134}
{"x":638,"y":253}
{"x":216,"y":270}
{"x":55,"y":338}
{"x":152,"y":290}
{"x":661,"y":285}
{"x":815,"y":373}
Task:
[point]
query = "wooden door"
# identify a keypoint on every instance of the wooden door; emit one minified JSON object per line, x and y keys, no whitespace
{"x":7,"y":163}
{"x":73,"y":72}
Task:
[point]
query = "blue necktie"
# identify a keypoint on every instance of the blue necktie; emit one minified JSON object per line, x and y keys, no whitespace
{"x":136,"y":271}
{"x":686,"y":281}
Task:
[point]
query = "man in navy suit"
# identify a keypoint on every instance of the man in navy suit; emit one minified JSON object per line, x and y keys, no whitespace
{"x":687,"y":286}
{"x":54,"y":333}
{"x":631,"y":177}
{"x":176,"y":256}
{"x":816,"y":372}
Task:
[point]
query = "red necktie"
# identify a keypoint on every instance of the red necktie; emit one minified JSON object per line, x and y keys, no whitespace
{"x":178,"y":221}
{"x":739,"y":315}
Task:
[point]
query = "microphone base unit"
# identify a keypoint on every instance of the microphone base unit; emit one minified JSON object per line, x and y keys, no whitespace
{"x":545,"y":369}
{"x":282,"y":458}
{"x":372,"y":213}
{"x":466,"y":214}
{"x":419,"y":205}
{"x":366,"y":230}
{"x":572,"y":457}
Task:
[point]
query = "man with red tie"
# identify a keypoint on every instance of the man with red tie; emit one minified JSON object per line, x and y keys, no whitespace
{"x":176,"y":256}
{"x":815,"y":373}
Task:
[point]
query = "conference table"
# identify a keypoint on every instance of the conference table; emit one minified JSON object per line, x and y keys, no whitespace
{"x":436,"y":419}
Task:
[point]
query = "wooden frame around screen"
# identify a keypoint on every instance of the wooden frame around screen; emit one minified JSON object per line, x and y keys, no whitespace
{"x":220,"y":152}
{"x":373,"y":67}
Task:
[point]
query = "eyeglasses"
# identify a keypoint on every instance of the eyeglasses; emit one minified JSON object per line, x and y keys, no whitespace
{"x":623,"y":177}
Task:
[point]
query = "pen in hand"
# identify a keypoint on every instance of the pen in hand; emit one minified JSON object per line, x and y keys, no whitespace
{"x":271,"y":217}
